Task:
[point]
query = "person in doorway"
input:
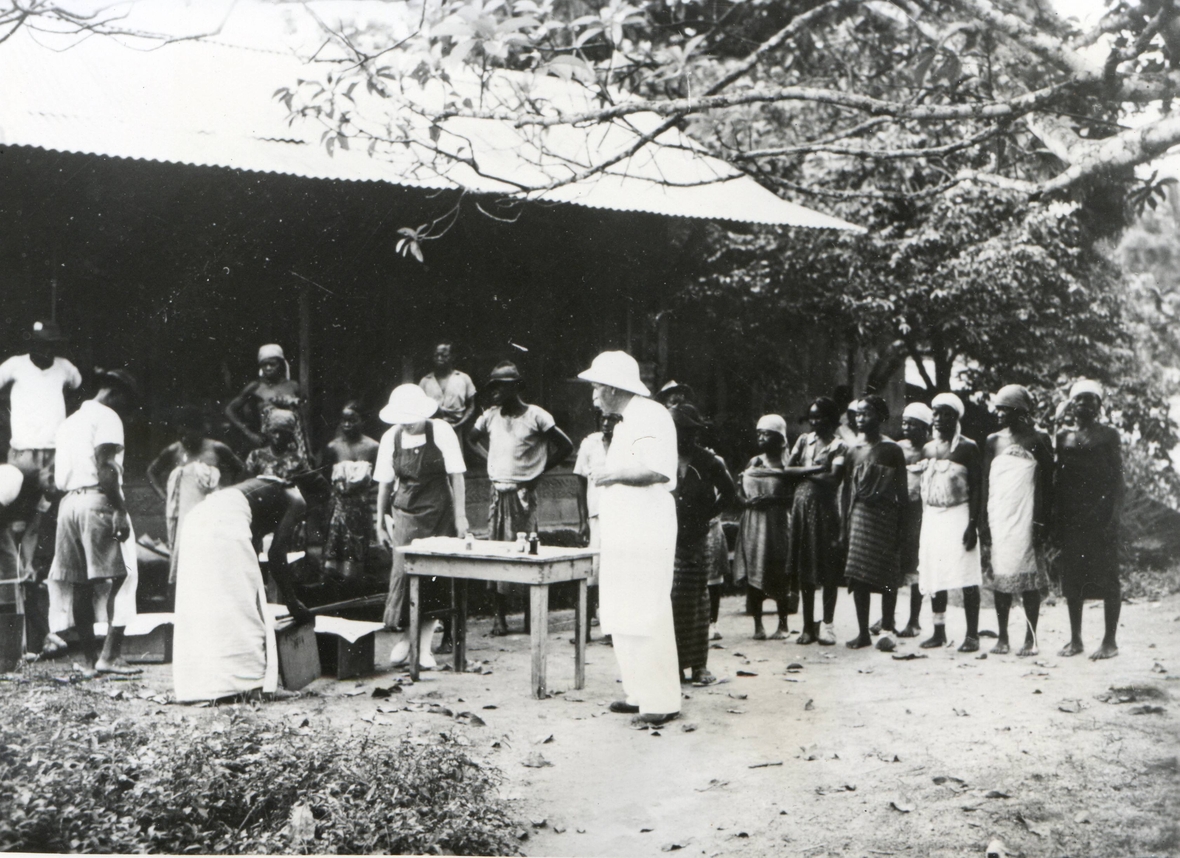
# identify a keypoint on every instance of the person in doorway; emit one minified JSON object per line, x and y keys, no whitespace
{"x":760,"y":557}
{"x":349,"y":458}
{"x":281,"y":456}
{"x":638,"y":518}
{"x":589,"y":464}
{"x":1018,"y":488}
{"x":813,"y":548}
{"x":224,"y":633}
{"x":875,"y":497}
{"x":703,"y":489}
{"x":420,"y":483}
{"x":916,"y":420}
{"x":523,"y":441}
{"x":451,"y":389}
{"x":39,"y":381}
{"x":187,"y":470}
{"x":90,"y":566}
{"x":1088,"y":492}
{"x":273,"y":391}
{"x":948,"y":553}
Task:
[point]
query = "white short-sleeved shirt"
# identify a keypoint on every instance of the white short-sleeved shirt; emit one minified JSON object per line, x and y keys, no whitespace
{"x":646,"y":436}
{"x":91,"y":426}
{"x":38,"y":406}
{"x":444,"y":438}
{"x":517,"y":448}
{"x":590,"y":463}
{"x":452,"y":395}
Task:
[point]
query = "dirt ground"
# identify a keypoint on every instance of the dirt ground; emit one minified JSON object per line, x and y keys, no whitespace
{"x":853,"y":753}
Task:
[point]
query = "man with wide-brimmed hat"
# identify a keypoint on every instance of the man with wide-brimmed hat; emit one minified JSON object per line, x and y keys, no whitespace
{"x":39,"y":380}
{"x":91,"y":569}
{"x":637,"y":515}
{"x":523,"y":441}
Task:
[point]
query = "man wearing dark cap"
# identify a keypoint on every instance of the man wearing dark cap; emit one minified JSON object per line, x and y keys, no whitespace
{"x":518,"y":437}
{"x":90,"y":566}
{"x":39,"y":380}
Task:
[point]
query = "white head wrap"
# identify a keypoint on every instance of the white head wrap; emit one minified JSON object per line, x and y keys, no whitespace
{"x":1086,"y":385}
{"x":11,"y":480}
{"x":273,"y":350}
{"x":919,"y":411}
{"x":773,"y":423}
{"x":948,"y":399}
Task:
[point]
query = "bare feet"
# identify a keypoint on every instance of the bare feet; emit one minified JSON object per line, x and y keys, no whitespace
{"x":1029,"y":648}
{"x":780,"y":633}
{"x":87,"y":671}
{"x":499,"y":627}
{"x":759,"y":633}
{"x":807,"y":637}
{"x":1001,"y":647}
{"x":969,"y":644}
{"x":1072,"y":648}
{"x":702,"y":677}
{"x":1107,"y":650}
{"x":860,"y":642}
{"x":936,"y":640}
{"x":910,"y":631}
{"x":118,"y":666}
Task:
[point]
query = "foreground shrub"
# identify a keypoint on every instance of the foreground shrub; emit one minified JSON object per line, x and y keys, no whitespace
{"x":78,"y":774}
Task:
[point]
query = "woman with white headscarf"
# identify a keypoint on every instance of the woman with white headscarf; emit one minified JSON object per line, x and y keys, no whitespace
{"x":948,"y":553}
{"x":273,"y":390}
{"x":1018,"y":492}
{"x":1088,"y":486}
{"x":760,"y":556}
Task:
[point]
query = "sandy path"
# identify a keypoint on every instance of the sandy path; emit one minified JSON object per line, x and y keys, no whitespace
{"x":1095,"y":782}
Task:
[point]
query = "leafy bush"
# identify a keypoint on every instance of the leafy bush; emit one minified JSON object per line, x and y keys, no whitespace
{"x":77,"y":777}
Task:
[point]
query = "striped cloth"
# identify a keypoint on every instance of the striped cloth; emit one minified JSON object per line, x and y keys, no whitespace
{"x":690,"y":601}
{"x":873,"y":545}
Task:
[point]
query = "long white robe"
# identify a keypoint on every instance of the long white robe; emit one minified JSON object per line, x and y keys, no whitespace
{"x":223,"y":637}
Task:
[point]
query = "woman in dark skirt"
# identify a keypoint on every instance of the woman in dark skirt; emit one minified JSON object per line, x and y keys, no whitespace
{"x":704,"y":488}
{"x":1088,"y":492}
{"x":814,"y":555}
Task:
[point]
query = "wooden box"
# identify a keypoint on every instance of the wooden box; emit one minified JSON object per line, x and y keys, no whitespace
{"x":299,"y":657}
{"x":155,"y":647}
{"x":345,"y":660}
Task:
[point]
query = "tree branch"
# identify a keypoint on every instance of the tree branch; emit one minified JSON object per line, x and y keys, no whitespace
{"x":1048,"y":48}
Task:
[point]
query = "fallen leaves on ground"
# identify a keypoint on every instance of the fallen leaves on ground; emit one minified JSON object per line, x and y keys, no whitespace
{"x":901,"y":806}
{"x":536,"y":760}
{"x":1071,"y":706}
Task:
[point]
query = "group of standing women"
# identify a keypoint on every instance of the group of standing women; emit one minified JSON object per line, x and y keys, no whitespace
{"x":934,"y":512}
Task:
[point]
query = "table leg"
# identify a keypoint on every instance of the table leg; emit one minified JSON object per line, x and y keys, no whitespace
{"x":539,"y":616}
{"x":459,"y":621}
{"x":415,"y":623}
{"x":580,"y":620}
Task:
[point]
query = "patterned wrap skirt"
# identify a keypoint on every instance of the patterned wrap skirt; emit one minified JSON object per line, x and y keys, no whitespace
{"x":874,"y":545}
{"x":690,"y":600}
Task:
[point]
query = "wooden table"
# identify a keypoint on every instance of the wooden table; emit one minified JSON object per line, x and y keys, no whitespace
{"x":447,"y":557}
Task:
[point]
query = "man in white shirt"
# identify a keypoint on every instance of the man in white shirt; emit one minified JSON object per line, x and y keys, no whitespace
{"x":637,"y":516}
{"x":92,"y":524}
{"x":519,"y":437}
{"x":454,"y":391}
{"x":38,"y":382}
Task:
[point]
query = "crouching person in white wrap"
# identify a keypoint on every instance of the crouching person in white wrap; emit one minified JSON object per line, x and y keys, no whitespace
{"x":224,"y":637}
{"x":637,"y":517}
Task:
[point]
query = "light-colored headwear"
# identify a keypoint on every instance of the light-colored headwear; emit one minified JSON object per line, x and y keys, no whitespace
{"x":408,"y":403}
{"x":616,"y":369}
{"x":281,"y":418}
{"x":950,"y":400}
{"x":1086,"y":385}
{"x":1014,"y":396}
{"x":919,"y":411}
{"x":11,"y":480}
{"x":773,"y":423}
{"x":273,"y":350}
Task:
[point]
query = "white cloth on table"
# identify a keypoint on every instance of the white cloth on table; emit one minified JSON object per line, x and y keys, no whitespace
{"x":38,"y":406}
{"x":223,"y":638}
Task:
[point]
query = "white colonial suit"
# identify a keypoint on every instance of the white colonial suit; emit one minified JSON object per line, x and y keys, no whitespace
{"x":638,"y":526}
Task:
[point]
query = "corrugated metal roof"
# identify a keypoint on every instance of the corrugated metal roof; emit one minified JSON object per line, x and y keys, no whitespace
{"x":207,"y":103}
